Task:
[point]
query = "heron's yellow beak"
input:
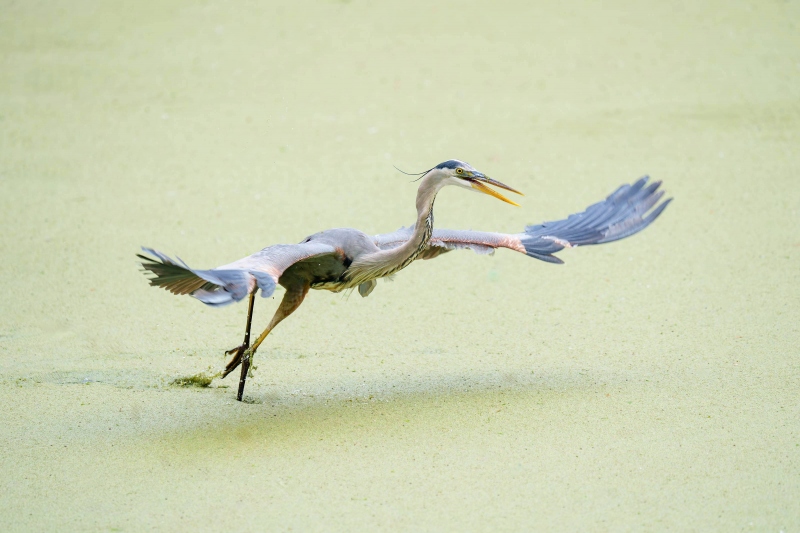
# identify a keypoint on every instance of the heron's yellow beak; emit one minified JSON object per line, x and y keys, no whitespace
{"x":477,"y":183}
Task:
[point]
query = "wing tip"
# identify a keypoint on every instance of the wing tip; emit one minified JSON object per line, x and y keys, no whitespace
{"x":628,"y":210}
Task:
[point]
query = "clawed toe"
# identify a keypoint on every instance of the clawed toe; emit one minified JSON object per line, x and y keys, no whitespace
{"x":236,"y":360}
{"x":235,"y":350}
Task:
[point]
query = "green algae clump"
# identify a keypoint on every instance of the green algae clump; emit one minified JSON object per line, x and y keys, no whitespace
{"x":200,"y":379}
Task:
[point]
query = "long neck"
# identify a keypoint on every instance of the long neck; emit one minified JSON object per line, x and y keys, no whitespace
{"x":388,"y":262}
{"x":423,"y":228}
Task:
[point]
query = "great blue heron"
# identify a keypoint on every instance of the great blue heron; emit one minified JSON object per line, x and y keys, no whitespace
{"x":344,"y":258}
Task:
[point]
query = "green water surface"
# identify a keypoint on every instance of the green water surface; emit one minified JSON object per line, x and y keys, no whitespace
{"x":646,"y":385}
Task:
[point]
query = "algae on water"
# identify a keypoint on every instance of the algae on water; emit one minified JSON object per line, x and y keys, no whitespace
{"x":201,"y":379}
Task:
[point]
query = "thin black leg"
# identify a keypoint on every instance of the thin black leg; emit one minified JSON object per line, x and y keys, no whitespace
{"x":246,"y":342}
{"x":243,"y":377}
{"x":238,"y":352}
{"x":246,"y":345}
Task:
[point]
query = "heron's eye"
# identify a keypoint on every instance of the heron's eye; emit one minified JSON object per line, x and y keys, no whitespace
{"x":459,"y":170}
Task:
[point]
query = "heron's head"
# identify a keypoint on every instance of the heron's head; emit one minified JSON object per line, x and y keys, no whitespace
{"x":455,"y":172}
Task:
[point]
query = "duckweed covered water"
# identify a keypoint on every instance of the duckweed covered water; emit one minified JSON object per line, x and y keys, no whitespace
{"x":648,"y":384}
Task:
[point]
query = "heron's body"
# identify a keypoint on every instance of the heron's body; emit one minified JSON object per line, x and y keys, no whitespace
{"x":330,"y":255}
{"x":345,"y":258}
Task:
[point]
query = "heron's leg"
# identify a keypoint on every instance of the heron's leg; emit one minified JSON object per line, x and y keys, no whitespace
{"x":239,"y":350}
{"x":291,"y":301}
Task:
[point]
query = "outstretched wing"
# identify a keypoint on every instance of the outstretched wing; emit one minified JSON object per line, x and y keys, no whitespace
{"x":622,"y":214}
{"x":232,"y":282}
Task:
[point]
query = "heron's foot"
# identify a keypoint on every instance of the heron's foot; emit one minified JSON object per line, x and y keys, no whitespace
{"x":240,"y":354}
{"x":236,"y":360}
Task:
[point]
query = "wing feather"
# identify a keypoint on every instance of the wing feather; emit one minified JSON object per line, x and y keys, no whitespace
{"x":232,"y":282}
{"x":623,"y":213}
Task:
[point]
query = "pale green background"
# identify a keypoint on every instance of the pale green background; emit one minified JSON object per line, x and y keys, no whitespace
{"x":649,"y":384}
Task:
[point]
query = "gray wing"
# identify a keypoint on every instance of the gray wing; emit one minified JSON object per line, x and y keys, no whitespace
{"x":624,"y":212}
{"x":620,"y":215}
{"x":232,"y":282}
